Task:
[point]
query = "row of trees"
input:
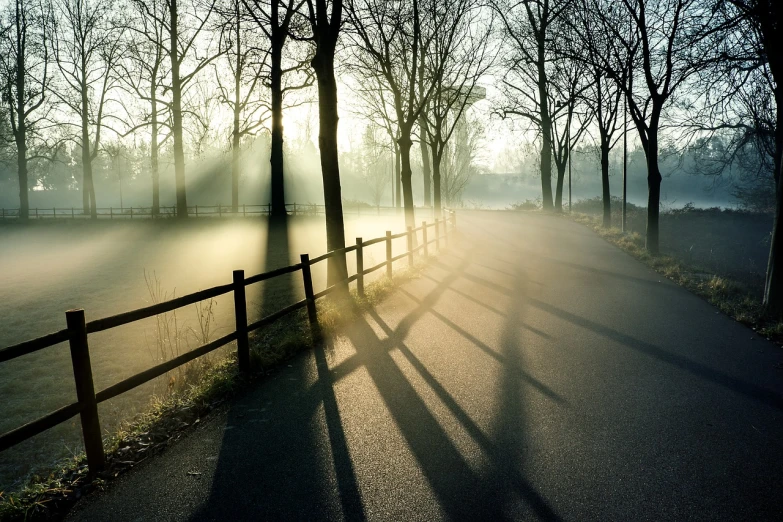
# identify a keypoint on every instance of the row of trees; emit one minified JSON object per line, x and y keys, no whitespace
{"x":704,"y":73}
{"x":74,"y":71}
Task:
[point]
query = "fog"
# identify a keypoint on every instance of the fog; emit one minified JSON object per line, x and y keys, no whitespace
{"x":47,"y":268}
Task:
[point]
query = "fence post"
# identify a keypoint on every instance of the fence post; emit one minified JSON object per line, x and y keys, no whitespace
{"x":85,"y":390}
{"x":294,"y":208}
{"x":359,"y":268}
{"x":240,"y":315}
{"x":244,"y":210}
{"x":220,"y":211}
{"x":131,"y":211}
{"x":312,"y":313}
{"x":269,"y":209}
{"x":388,"y":254}
{"x":437,"y":235}
{"x":3,"y":213}
{"x":36,"y":213}
{"x":54,"y":212}
{"x":424,"y":238}
{"x":410,"y":246}
{"x":72,"y":216}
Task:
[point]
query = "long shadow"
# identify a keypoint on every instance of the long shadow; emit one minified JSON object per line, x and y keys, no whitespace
{"x":452,"y":480}
{"x":489,"y":307}
{"x":752,"y":391}
{"x":499,"y":458}
{"x":283,"y":452}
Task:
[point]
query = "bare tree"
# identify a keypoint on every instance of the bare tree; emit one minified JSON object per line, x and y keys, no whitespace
{"x":86,"y":47}
{"x":763,"y":19}
{"x":454,"y":63}
{"x":25,"y":78}
{"x":668,"y":42}
{"x":527,"y":31}
{"x":245,"y":58}
{"x":279,"y":22}
{"x":567,"y":85}
{"x":603,"y":97}
{"x":143,"y":77}
{"x":389,"y":36}
{"x":326,"y":19}
{"x":458,"y":165}
{"x":189,"y":50}
{"x":375,"y":106}
{"x":374,"y":162}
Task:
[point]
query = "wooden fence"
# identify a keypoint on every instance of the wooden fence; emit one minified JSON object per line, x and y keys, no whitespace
{"x":78,"y":331}
{"x":295,"y":209}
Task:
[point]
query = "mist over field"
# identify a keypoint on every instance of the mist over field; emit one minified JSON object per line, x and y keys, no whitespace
{"x":507,"y":357}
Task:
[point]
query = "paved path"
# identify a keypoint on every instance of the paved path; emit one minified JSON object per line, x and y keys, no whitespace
{"x":534,"y":372}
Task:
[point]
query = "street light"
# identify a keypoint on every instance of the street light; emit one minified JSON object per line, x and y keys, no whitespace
{"x":559,"y":104}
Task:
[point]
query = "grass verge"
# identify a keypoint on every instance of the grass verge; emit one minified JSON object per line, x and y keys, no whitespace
{"x":730,"y":297}
{"x":50,"y":496}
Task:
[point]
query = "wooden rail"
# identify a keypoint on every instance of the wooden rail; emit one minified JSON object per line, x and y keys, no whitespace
{"x":78,"y":331}
{"x":244,"y":210}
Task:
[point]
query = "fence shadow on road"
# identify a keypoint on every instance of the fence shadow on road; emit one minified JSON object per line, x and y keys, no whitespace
{"x":285,"y":452}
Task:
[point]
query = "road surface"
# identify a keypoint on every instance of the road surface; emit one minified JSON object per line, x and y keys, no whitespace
{"x":533,"y":372}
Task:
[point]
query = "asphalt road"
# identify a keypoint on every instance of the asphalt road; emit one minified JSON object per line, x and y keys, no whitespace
{"x":533,"y":372}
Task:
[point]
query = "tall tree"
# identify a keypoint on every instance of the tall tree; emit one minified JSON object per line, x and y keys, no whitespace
{"x":275,"y":19}
{"x":143,"y":77}
{"x":86,"y":46}
{"x":527,"y":31}
{"x":389,"y":36}
{"x":189,"y":49}
{"x":765,"y":20}
{"x":603,"y":97}
{"x":326,"y":19}
{"x":25,"y":78}
{"x":244,"y":58}
{"x":457,"y":59}
{"x":668,"y":42}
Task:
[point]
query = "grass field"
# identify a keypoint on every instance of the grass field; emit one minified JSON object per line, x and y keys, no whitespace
{"x":47,"y":268}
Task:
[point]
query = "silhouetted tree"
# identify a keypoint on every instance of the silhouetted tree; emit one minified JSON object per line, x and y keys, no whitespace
{"x":527,"y":32}
{"x":86,"y":46}
{"x":275,"y":18}
{"x":25,"y":77}
{"x":326,"y":19}
{"x":667,"y":42}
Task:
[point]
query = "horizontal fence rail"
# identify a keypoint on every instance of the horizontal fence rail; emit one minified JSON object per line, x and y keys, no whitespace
{"x":244,"y":210}
{"x":78,"y":331}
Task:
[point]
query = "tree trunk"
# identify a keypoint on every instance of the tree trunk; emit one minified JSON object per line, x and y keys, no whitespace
{"x":654,"y":192}
{"x":436,"y":163}
{"x":406,"y":173}
{"x":235,"y":163}
{"x":607,"y":199}
{"x":337,"y":270}
{"x":276,"y":159}
{"x":21,"y":125}
{"x":773,"y":288}
{"x":176,"y":115}
{"x":546,"y":130}
{"x":425,"y":163}
{"x":397,"y":178}
{"x":88,"y":188}
{"x":21,"y":164}
{"x":154,"y":150}
{"x":559,"y":188}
